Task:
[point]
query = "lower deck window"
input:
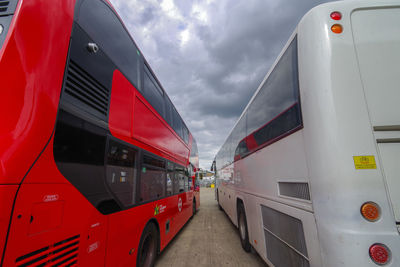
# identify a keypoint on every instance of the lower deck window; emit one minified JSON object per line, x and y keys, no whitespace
{"x":152,"y":184}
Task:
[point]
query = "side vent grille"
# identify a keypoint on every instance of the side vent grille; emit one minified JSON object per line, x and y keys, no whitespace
{"x":63,"y":253}
{"x":284,"y":238}
{"x":296,"y":190}
{"x":4,"y":5}
{"x":86,"y":90}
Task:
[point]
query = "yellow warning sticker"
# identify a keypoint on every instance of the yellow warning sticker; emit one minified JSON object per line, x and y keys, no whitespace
{"x":364,"y":162}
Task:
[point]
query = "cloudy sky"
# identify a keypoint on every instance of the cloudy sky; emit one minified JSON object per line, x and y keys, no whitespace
{"x":211,"y":55}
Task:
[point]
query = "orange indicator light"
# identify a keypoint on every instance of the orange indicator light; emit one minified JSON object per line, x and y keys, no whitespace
{"x":370,"y":211}
{"x":337,"y":28}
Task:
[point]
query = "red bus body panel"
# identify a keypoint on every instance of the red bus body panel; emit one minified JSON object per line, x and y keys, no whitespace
{"x":7,"y":194}
{"x":124,"y":236}
{"x":149,"y":128}
{"x":32,"y":63}
{"x":45,"y":214}
{"x":50,"y":217}
{"x":133,"y":120}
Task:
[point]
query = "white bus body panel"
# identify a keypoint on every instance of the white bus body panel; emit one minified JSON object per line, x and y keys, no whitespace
{"x":283,"y":161}
{"x":338,"y":113}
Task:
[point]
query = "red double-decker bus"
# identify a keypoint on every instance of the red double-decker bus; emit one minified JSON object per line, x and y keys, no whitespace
{"x":96,"y":164}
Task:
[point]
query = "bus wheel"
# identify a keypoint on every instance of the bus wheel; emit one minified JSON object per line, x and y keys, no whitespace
{"x":147,"y":251}
{"x":243,"y":232}
{"x":193,"y":208}
{"x":219,"y":206}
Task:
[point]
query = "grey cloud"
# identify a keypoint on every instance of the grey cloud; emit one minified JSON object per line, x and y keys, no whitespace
{"x":147,"y":16}
{"x":211,"y":78}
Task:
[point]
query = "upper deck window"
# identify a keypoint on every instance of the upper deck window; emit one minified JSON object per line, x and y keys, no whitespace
{"x":153,"y":92}
{"x":104,"y":27}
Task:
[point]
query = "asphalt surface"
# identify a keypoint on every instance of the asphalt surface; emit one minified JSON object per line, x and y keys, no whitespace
{"x":209,"y":239}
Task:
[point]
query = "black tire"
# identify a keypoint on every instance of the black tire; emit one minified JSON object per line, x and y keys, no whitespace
{"x":219,"y":206}
{"x":148,"y":246}
{"x":193,"y":208}
{"x":243,"y":231}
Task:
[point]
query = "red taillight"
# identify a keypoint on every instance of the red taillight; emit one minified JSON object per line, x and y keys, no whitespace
{"x":379,"y":253}
{"x":336,"y":15}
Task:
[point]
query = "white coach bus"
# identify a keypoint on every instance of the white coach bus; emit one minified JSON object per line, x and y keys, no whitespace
{"x":310,"y":173}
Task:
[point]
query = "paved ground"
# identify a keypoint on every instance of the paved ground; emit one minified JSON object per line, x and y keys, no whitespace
{"x":209,"y":239}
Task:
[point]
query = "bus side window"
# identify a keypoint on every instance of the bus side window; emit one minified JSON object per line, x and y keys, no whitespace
{"x":153,"y":92}
{"x":185,"y":132}
{"x":176,"y":183}
{"x":152,"y":179}
{"x":105,"y":28}
{"x":121,"y":172}
{"x":181,"y":183}
{"x":177,"y":122}
{"x":275,"y":109}
{"x":168,"y":111}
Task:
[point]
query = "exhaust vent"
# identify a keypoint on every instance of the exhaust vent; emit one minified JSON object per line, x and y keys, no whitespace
{"x":284,"y":238}
{"x":4,"y":5}
{"x":296,"y":190}
{"x":86,"y":92}
{"x":7,"y":7}
{"x":63,"y":253}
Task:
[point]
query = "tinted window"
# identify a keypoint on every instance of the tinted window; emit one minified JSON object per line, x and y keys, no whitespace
{"x":168,"y":111}
{"x":170,"y":179}
{"x":278,"y":93}
{"x":177,"y":123}
{"x":185,"y":132}
{"x":274,"y":112}
{"x":194,"y":153}
{"x":154,"y":162}
{"x":152,"y":179}
{"x":238,"y":133}
{"x":176,"y":184}
{"x":152,"y":92}
{"x":181,"y":181}
{"x":79,"y":152}
{"x":121,"y":172}
{"x":284,"y":123}
{"x":103,"y":26}
{"x":241,"y":150}
{"x":190,"y":183}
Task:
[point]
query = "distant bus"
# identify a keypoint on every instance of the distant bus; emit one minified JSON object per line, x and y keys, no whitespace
{"x":96,"y":164}
{"x":310,"y":173}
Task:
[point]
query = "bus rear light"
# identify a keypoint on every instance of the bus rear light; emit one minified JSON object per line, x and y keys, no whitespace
{"x":336,"y":15}
{"x":337,"y":28}
{"x":379,"y":253}
{"x":370,"y":211}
